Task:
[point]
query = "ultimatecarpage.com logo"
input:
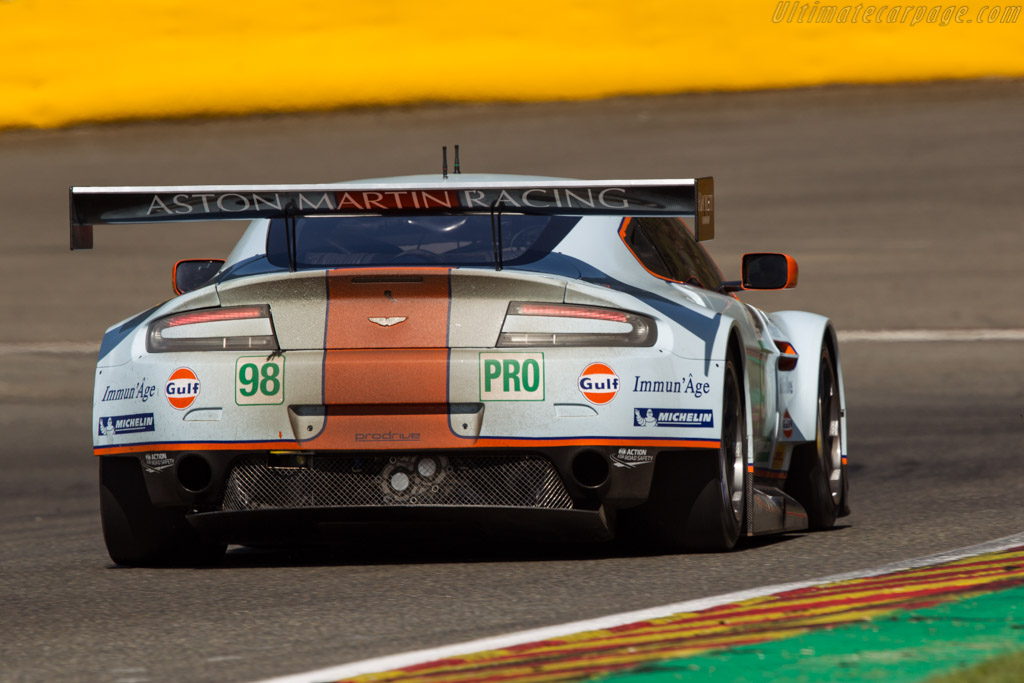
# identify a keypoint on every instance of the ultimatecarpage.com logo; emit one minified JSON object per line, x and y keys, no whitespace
{"x":910,"y":15}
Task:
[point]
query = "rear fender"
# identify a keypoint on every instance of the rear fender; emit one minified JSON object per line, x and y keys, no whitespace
{"x":697,"y":332}
{"x":798,"y":388}
{"x":123,"y":342}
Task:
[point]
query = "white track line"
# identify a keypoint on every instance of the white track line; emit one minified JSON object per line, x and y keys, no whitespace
{"x":405,"y":659}
{"x":885,"y":336}
{"x":930,"y":335}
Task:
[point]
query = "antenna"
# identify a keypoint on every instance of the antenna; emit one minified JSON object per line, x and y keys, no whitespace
{"x":444,"y":162}
{"x":457,"y":168}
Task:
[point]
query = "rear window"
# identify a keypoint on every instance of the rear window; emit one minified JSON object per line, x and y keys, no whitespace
{"x":338,"y":241}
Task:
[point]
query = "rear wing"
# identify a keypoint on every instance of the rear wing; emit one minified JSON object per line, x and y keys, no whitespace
{"x":91,"y":206}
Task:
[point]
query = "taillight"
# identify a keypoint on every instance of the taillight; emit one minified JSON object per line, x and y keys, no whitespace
{"x":237,"y":328}
{"x":788,"y":355}
{"x":540,"y":324}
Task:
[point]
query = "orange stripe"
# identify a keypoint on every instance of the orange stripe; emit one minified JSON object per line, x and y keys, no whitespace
{"x":386,"y":376}
{"x":663,"y":443}
{"x":378,"y":367}
{"x":197,"y":446}
{"x":401,"y":393}
{"x":420,"y":295}
{"x":483,"y":442}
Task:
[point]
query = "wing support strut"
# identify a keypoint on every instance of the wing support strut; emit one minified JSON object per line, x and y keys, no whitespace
{"x":290,"y":237}
{"x":496,"y":234}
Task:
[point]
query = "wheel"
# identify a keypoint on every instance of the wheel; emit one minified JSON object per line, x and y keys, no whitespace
{"x":136,"y":532}
{"x":817,"y":478}
{"x":698,"y":501}
{"x":716,"y":520}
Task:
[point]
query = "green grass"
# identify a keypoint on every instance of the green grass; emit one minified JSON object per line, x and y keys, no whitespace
{"x":1006,"y":669}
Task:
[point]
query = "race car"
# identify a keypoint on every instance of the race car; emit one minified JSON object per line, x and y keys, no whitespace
{"x":486,"y":353}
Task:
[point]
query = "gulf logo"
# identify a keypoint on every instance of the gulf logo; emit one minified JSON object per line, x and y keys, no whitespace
{"x":182,"y":388}
{"x":598,"y":383}
{"x":787,"y":425}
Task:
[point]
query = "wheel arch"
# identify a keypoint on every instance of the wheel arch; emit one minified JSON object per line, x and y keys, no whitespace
{"x":808,"y":332}
{"x":734,"y":348}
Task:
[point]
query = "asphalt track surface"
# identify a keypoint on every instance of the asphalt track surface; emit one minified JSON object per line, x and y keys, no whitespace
{"x":903,"y":206}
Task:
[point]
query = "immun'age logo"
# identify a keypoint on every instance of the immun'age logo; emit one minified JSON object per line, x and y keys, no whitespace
{"x":182,"y":388}
{"x":598,"y":383}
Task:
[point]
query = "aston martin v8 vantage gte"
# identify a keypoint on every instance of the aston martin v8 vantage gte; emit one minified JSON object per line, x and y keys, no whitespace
{"x":498,"y":353}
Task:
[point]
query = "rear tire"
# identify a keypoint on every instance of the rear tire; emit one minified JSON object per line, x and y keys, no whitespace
{"x":139,"y":534}
{"x":698,"y":501}
{"x":817,"y":477}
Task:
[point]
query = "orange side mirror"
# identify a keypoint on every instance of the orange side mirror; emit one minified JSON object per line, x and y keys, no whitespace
{"x":769,"y":271}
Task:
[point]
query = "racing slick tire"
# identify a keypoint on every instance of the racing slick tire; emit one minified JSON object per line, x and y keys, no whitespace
{"x":697,"y":500}
{"x":817,"y":477}
{"x":139,"y":534}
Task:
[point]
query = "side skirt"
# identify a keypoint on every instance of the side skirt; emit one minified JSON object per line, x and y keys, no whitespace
{"x":775,"y":512}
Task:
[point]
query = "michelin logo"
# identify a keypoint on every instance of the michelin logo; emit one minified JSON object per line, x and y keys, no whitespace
{"x":126,"y":424}
{"x":664,"y":417}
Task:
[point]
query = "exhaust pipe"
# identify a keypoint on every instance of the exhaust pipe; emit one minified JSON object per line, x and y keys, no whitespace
{"x":194,"y":473}
{"x":590,"y":469}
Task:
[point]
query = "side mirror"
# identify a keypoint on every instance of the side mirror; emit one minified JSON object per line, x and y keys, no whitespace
{"x":191,"y":274}
{"x":769,"y":271}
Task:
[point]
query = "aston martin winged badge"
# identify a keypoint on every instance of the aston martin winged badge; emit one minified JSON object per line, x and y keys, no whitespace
{"x":388,"y":322}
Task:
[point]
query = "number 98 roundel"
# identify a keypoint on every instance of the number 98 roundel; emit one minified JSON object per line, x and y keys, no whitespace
{"x":259,"y":381}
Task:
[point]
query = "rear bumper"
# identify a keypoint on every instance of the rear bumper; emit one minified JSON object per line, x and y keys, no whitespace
{"x":254,"y":497}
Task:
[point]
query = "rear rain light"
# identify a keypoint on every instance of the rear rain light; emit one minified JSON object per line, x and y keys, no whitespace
{"x":788,"y":355}
{"x":564,"y":311}
{"x":215,"y":315}
{"x":540,"y":324}
{"x":237,"y":328}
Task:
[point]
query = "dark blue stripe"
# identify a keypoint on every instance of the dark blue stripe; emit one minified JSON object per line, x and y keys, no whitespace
{"x":116,"y":336}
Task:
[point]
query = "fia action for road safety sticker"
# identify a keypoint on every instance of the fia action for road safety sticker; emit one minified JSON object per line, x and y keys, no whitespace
{"x":632,"y":457}
{"x":156,"y":462}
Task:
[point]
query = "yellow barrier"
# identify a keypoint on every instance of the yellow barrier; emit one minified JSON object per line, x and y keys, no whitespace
{"x":64,"y":61}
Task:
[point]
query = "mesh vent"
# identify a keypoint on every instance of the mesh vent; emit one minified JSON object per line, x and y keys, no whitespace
{"x":522,"y":481}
